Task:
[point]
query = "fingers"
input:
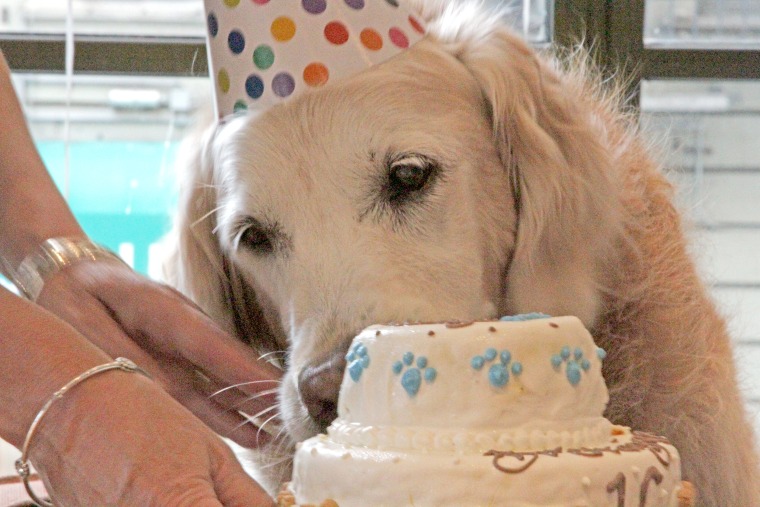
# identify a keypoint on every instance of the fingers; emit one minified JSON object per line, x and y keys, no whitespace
{"x":236,"y":488}
{"x":233,"y":397}
{"x":240,"y":490}
{"x":175,"y":326}
{"x":227,"y":423}
{"x":208,"y":371}
{"x":92,"y":320}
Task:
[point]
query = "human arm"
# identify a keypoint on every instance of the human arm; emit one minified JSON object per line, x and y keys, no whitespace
{"x":115,"y":438}
{"x":118,"y":310}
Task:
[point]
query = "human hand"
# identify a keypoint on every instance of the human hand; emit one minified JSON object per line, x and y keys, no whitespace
{"x":211,"y":373}
{"x":118,"y":439}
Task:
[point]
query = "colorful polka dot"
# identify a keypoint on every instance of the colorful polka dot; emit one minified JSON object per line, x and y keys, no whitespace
{"x":416,"y":25}
{"x":316,"y":74}
{"x":213,"y":24}
{"x":240,"y":107}
{"x":314,"y":6}
{"x":283,"y":84}
{"x":223,"y":79}
{"x":336,"y":32}
{"x":398,"y":38}
{"x":283,"y":29}
{"x":254,"y":86}
{"x":278,"y":73}
{"x":236,"y":41}
{"x":371,"y":39}
{"x":263,"y":57}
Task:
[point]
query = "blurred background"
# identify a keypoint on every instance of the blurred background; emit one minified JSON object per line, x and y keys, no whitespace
{"x":110,"y":88}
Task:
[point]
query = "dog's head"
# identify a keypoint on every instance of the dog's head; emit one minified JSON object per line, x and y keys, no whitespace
{"x":465,"y":178}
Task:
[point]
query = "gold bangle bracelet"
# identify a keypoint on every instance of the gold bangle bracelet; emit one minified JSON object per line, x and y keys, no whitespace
{"x":22,"y":464}
{"x":51,"y":256}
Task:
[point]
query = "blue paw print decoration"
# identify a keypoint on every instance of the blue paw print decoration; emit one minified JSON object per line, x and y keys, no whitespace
{"x":574,"y":363}
{"x":411,"y":380}
{"x":498,"y":372}
{"x":358,"y":360}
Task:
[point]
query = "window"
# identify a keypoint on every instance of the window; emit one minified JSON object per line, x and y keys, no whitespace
{"x":713,"y":123}
{"x":696,"y":68}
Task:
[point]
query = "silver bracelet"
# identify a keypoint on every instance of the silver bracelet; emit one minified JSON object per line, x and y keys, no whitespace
{"x":22,"y":464}
{"x":52,"y":256}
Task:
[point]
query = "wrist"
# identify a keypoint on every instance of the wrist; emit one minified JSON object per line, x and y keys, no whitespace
{"x":28,"y":241}
{"x":66,"y":426}
{"x":52,"y":256}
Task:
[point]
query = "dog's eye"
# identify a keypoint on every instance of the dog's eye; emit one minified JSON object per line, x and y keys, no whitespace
{"x":256,"y":239}
{"x":408,"y":175}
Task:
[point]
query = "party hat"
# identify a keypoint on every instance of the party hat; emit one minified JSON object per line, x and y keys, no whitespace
{"x":265,"y":51}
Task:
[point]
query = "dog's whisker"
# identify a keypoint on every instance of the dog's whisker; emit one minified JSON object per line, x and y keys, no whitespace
{"x":254,"y":420}
{"x":273,"y":353}
{"x":266,"y":392}
{"x":262,"y":426}
{"x":261,"y":394}
{"x":281,"y":434}
{"x":264,"y":411}
{"x":206,"y":215}
{"x":282,"y":443}
{"x":277,"y":462}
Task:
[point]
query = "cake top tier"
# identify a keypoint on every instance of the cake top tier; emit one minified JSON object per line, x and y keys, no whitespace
{"x":531,"y":369}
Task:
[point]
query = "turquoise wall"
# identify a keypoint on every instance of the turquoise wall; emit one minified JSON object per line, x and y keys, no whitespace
{"x":121,"y":192}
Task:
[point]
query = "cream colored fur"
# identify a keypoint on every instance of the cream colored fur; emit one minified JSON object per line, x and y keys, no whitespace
{"x":594,"y":233}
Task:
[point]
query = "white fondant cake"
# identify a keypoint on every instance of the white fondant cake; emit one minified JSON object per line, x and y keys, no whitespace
{"x":505,"y":413}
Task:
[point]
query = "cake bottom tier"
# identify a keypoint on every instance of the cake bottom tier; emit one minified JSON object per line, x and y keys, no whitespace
{"x":635,"y":470}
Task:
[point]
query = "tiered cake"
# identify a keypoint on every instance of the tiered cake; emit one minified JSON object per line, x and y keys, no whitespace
{"x":505,"y":413}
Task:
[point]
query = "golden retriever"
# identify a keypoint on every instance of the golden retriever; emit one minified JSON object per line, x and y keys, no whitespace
{"x":469,"y":177}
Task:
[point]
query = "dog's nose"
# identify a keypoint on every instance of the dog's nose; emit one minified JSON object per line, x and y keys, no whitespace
{"x":319,"y":383}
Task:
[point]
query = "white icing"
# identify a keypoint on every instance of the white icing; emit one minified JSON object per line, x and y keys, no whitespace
{"x":590,"y":433}
{"x":416,"y":478}
{"x":431,"y":447}
{"x":538,"y":393}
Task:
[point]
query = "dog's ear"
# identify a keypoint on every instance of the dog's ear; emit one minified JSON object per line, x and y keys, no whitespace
{"x":196,"y":263}
{"x":556,"y":150}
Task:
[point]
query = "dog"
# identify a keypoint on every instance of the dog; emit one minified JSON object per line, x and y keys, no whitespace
{"x":467,"y":178}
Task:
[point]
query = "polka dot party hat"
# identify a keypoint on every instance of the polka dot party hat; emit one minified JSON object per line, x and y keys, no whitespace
{"x":265,"y":51}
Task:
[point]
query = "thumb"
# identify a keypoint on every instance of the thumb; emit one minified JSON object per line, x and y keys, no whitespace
{"x":236,"y":488}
